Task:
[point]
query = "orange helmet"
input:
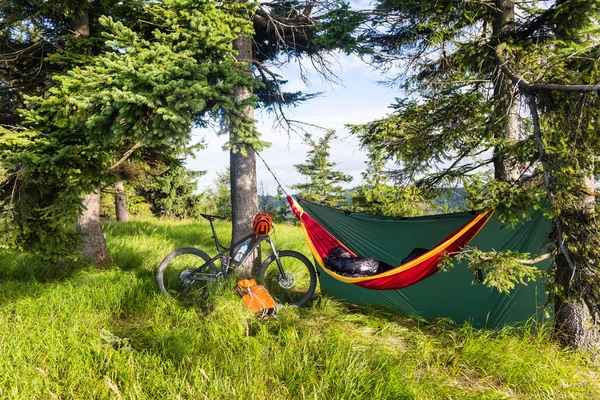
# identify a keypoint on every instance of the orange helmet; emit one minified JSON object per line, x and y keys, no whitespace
{"x":262,"y":224}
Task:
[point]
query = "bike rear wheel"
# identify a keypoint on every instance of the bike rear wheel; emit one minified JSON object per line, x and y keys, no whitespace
{"x":185,"y":274}
{"x":297,"y":284}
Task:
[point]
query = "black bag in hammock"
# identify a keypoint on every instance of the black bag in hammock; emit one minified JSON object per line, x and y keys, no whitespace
{"x":341,"y":262}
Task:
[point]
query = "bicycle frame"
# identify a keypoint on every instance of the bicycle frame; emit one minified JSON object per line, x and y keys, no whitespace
{"x":227,"y":259}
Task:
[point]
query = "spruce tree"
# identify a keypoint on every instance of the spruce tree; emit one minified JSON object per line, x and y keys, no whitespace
{"x":377,"y":196}
{"x":139,"y":92}
{"x":323,"y":181}
{"x":172,"y":193}
{"x":511,"y":80}
{"x":284,"y":31}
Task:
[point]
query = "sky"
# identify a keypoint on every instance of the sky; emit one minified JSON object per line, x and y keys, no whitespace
{"x":359,"y":99}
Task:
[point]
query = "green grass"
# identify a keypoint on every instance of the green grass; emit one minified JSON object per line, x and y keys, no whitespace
{"x":76,"y":332}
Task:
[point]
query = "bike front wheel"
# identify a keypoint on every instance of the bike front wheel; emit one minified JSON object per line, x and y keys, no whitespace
{"x":185,"y":274}
{"x":291,"y":281}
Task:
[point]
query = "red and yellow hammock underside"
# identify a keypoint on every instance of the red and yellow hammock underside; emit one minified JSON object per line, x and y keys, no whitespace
{"x":321,"y":242}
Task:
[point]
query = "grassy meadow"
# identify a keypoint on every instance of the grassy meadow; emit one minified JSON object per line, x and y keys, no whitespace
{"x":80,"y":333}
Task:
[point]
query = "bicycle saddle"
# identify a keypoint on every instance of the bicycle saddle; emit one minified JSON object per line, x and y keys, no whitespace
{"x":209,"y":217}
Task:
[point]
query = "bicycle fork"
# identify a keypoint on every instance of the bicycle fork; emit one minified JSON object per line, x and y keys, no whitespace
{"x":282,"y":276}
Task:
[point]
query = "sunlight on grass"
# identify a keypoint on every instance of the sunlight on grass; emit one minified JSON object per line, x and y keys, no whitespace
{"x":76,"y":332}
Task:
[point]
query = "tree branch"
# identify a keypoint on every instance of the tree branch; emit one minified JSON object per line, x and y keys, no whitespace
{"x":535,"y":260}
{"x":127,"y":154}
{"x":544,"y":160}
{"x":522,"y":83}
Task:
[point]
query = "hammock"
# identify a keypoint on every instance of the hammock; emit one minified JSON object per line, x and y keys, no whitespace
{"x":414,"y":286}
{"x":321,"y":242}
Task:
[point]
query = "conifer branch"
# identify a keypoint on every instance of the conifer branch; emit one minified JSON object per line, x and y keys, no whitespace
{"x":127,"y":154}
{"x":522,"y":83}
{"x":543,"y":157}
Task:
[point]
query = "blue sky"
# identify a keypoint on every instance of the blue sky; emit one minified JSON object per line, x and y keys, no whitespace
{"x":359,"y":99}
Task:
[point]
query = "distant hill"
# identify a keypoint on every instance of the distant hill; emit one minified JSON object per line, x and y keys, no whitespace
{"x":452,"y":200}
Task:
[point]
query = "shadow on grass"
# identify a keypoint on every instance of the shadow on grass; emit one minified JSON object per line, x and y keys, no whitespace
{"x":440,"y":326}
{"x":11,"y":291}
{"x":19,"y":266}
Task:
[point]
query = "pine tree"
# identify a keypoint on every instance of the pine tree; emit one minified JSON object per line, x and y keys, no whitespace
{"x":377,"y":196}
{"x":139,"y":92}
{"x":171,"y":193}
{"x":514,"y":79}
{"x":323,"y":185}
{"x":284,"y":31}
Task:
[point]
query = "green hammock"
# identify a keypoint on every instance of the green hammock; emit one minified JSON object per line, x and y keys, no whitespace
{"x":450,"y":294}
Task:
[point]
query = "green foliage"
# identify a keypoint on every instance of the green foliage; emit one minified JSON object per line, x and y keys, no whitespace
{"x":144,"y":91}
{"x":284,"y":212}
{"x":512,"y":202}
{"x":171,"y":193}
{"x":84,"y":333}
{"x":570,"y":127}
{"x":222,"y":194}
{"x":443,"y":127}
{"x":459,"y":107}
{"x":502,"y":270}
{"x":376,"y":196}
{"x":37,"y":39}
{"x":455,"y":107}
{"x":337,"y":30}
{"x":136,"y":204}
{"x":217,"y":199}
{"x":317,"y":28}
{"x":323,"y":181}
{"x":3,"y":174}
{"x":300,"y":31}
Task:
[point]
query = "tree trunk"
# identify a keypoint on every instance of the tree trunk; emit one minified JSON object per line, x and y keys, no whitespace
{"x":88,"y":223}
{"x":574,"y":322}
{"x":506,"y":110}
{"x":121,"y":202}
{"x":81,"y":24}
{"x":244,"y":192}
{"x":575,"y":319}
{"x":575,"y":327}
{"x":506,"y":169}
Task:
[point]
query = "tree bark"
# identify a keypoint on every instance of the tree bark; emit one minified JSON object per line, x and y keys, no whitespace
{"x":121,"y":202}
{"x":574,"y":322}
{"x":88,"y":223}
{"x":81,"y":24}
{"x":575,"y":325}
{"x":506,"y":110}
{"x":244,"y":192}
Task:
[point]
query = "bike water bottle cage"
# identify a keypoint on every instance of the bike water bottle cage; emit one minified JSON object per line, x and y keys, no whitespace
{"x":262,"y":224}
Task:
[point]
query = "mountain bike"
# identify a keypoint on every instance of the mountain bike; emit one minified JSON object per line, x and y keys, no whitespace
{"x":186,"y":273}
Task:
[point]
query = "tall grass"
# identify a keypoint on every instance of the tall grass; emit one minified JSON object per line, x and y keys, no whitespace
{"x":76,"y":332}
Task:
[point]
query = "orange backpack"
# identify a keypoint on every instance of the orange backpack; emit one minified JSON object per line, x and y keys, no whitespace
{"x":257,"y":298}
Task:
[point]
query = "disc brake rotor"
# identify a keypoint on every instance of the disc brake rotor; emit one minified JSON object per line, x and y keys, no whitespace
{"x":288,"y":282}
{"x":186,"y":277}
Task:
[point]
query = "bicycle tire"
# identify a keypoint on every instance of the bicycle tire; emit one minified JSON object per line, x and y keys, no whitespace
{"x":179,"y":262}
{"x":301,"y":279}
